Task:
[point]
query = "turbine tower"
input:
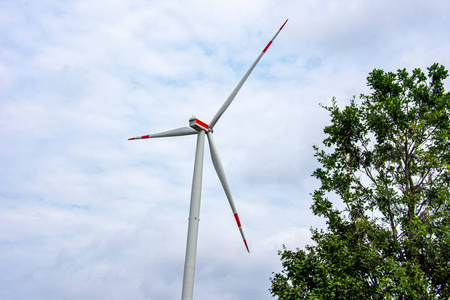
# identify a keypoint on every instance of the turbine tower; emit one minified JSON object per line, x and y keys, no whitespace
{"x":201,"y":129}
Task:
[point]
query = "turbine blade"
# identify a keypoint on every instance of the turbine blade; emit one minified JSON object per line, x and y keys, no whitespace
{"x":241,"y":83}
{"x":173,"y":132}
{"x":221,"y":173}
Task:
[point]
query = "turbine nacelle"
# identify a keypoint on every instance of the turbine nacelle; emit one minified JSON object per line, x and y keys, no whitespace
{"x":198,"y":125}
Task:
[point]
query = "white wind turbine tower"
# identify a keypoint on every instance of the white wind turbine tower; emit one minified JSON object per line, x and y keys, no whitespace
{"x":200,"y":129}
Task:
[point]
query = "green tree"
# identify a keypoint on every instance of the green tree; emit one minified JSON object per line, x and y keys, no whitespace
{"x":388,"y":159}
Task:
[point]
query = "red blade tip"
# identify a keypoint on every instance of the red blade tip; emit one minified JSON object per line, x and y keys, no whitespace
{"x":284,"y":24}
{"x":237,"y":220}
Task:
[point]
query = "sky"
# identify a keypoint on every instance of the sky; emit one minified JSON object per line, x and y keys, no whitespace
{"x":87,"y":214}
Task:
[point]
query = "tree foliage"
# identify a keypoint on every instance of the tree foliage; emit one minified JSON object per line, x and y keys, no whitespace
{"x":388,"y":158}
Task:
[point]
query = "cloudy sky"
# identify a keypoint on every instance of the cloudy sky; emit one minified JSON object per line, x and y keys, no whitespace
{"x":86,"y":214}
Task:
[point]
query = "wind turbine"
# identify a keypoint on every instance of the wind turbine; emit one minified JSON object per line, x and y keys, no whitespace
{"x":201,"y":129}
